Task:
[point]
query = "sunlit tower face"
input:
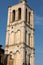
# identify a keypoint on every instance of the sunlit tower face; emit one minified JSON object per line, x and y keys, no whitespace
{"x":19,"y":35}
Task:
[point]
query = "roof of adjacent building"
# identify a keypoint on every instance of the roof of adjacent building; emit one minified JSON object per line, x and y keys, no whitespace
{"x":1,"y":50}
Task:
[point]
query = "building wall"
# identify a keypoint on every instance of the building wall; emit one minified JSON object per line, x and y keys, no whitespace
{"x":1,"y":55}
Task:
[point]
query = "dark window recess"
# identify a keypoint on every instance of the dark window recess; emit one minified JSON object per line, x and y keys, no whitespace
{"x":13,"y":15}
{"x":12,"y":27}
{"x":24,"y":63}
{"x":29,"y":60}
{"x":29,"y":17}
{"x":29,"y":38}
{"x":29,"y":64}
{"x":19,"y":14}
{"x":26,"y":14}
{"x":10,"y":56}
{"x":25,"y":36}
{"x":11,"y":31}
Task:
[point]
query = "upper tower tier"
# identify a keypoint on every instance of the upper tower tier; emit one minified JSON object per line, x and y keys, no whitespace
{"x":20,"y":13}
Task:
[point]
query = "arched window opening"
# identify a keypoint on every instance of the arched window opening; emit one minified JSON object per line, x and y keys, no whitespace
{"x":19,"y":10}
{"x":13,"y":15}
{"x":10,"y":60}
{"x":29,"y":17}
{"x":26,"y":14}
{"x":24,"y":63}
{"x":29,"y":59}
{"x":29,"y":38}
{"x":18,"y":36}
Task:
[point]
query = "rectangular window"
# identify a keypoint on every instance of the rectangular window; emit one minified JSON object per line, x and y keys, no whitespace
{"x":17,"y":36}
{"x":13,"y":15}
{"x":29,"y":60}
{"x":19,"y":10}
{"x":26,"y":14}
{"x":29,"y":39}
{"x":29,"y":17}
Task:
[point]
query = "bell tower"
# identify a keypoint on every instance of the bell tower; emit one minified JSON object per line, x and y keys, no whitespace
{"x":20,"y":35}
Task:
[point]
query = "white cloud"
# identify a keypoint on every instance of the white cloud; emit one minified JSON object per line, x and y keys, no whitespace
{"x":38,"y":20}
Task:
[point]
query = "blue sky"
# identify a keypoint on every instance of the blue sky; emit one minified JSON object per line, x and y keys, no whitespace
{"x":37,"y":6}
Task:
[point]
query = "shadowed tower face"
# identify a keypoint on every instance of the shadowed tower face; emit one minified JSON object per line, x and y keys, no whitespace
{"x":20,"y":35}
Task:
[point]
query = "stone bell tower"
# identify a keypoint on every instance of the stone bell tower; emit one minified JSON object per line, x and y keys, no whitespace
{"x":20,"y":35}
